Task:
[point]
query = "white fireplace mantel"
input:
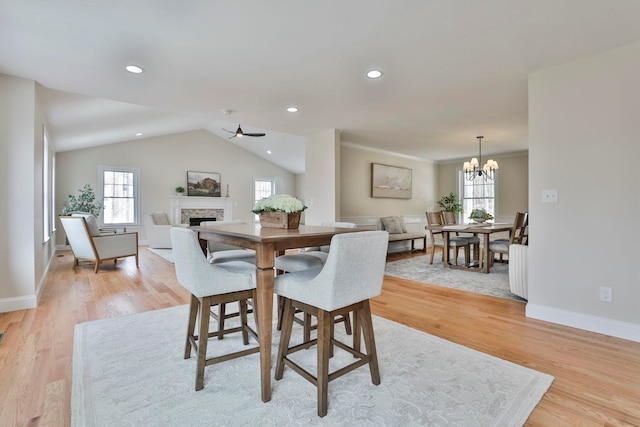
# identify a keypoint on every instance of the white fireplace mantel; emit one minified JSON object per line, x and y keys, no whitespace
{"x":178,"y":203}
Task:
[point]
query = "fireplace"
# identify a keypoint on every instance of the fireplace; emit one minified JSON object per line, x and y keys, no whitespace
{"x":197,"y":221}
{"x":204,"y":208}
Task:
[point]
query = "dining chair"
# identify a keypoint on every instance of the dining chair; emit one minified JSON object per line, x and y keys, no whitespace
{"x":211,"y":285}
{"x":518,"y":235}
{"x":221,"y":252}
{"x":437,"y":219}
{"x":450,"y":218}
{"x":352,"y":274}
{"x":312,"y":257}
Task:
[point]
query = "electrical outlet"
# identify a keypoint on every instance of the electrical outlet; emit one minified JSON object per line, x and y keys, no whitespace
{"x":605,"y":294}
{"x":550,"y":196}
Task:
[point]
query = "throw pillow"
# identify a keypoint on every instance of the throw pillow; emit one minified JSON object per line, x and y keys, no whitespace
{"x":402,"y":225}
{"x":393,"y":224}
{"x":92,"y":224}
{"x":160,"y":218}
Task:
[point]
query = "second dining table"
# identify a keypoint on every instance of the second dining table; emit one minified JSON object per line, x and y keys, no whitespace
{"x":485,"y":229}
{"x":268,"y":243}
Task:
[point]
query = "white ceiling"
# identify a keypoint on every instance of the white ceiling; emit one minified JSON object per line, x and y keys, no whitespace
{"x":453,"y":69}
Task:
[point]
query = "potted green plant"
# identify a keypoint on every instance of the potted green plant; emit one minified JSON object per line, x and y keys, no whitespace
{"x":84,"y":202}
{"x":179,"y":191}
{"x":279,"y":211}
{"x":480,"y":215}
{"x":450,"y":203}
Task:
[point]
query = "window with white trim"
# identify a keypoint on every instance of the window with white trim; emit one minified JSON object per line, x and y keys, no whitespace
{"x":263,"y":187}
{"x":477,"y":194}
{"x":119,"y":190}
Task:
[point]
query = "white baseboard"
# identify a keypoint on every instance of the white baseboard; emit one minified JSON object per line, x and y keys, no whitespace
{"x":600,"y":325}
{"x":18,"y":303}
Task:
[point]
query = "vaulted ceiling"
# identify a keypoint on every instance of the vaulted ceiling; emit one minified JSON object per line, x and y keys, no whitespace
{"x":452,"y":69}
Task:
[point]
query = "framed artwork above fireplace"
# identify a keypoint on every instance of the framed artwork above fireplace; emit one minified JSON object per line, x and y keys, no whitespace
{"x":204,"y":184}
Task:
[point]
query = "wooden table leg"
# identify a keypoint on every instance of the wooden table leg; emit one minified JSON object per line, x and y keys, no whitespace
{"x":485,"y":254}
{"x":445,"y":249}
{"x":264,"y":296}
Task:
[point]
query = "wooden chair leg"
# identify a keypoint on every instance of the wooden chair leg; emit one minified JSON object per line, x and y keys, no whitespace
{"x":285,"y":337}
{"x":347,"y":324}
{"x":280,"y":311}
{"x":332,"y":328}
{"x":191,"y":327}
{"x":243,"y":321}
{"x":203,"y":337}
{"x":325,"y":322}
{"x":467,"y":255}
{"x":370,"y":342}
{"x":222,"y":312}
{"x":255,"y":309}
{"x":357,"y":332}
{"x":433,"y":251}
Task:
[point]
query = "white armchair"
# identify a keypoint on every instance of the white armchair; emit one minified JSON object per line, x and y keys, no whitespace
{"x":87,"y":246}
{"x":156,"y":226}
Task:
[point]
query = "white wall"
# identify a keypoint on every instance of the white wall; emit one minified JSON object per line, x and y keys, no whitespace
{"x":164,"y":162}
{"x":583,"y":141}
{"x":512,"y":190}
{"x":355,"y":185}
{"x":23,"y":255}
{"x":321,"y":192}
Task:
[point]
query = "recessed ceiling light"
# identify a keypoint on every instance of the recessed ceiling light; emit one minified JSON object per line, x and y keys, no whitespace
{"x":139,"y":134}
{"x":374,"y":74}
{"x":268,"y":151}
{"x":292,"y":109}
{"x":134,"y":69}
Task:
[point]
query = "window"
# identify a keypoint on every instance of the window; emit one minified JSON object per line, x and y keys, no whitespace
{"x":477,"y":194}
{"x":118,"y":189}
{"x":263,"y":187}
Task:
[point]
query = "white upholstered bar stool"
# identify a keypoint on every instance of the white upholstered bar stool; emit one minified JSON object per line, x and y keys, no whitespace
{"x":313,"y":257}
{"x":309,"y":257}
{"x":352,"y":274}
{"x":221,"y":252}
{"x":210,"y":285}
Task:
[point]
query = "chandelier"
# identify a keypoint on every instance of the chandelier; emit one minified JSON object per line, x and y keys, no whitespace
{"x":472,"y":169}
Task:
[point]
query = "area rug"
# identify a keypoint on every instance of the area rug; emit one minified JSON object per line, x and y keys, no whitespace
{"x":164,"y":253}
{"x":496,"y":283}
{"x":130,"y":371}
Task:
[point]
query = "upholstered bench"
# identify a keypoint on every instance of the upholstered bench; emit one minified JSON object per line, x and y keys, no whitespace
{"x":397,"y":230}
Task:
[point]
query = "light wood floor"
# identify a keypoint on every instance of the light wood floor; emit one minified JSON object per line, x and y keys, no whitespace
{"x":597,"y":378}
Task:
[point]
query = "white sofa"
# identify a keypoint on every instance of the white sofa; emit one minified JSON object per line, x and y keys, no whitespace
{"x":156,"y":226}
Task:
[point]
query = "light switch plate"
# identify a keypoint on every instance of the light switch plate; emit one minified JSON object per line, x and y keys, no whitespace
{"x":550,"y":196}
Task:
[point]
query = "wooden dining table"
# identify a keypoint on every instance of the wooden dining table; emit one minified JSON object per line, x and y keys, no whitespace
{"x":268,"y":243}
{"x":486,"y":230}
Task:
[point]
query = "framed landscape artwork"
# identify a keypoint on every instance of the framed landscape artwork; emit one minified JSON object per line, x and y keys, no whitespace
{"x":390,"y":181}
{"x":205,"y":184}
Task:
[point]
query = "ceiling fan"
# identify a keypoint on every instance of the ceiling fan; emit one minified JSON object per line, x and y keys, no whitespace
{"x":239,"y":133}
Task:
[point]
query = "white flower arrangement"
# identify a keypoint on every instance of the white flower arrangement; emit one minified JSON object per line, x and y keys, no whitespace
{"x":480,"y":215}
{"x":279,"y":203}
